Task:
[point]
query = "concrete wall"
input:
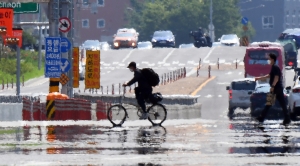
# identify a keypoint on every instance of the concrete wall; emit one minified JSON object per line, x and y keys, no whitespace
{"x":11,"y":111}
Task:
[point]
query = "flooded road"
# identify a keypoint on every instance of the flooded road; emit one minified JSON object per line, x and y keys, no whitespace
{"x":179,"y":142}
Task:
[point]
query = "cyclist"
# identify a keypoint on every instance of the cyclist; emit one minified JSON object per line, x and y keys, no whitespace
{"x":143,"y":91}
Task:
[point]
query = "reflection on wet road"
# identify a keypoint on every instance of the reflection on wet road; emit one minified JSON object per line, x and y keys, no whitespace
{"x":182,"y":142}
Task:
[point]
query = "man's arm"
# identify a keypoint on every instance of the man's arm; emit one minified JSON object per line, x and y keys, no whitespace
{"x":262,"y":77}
{"x":276,"y":79}
{"x":134,"y":79}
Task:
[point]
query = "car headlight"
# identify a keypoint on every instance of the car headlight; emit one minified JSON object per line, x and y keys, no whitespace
{"x":169,"y":40}
{"x":116,"y":44}
{"x":129,"y":39}
{"x":153,"y":40}
{"x":133,"y":44}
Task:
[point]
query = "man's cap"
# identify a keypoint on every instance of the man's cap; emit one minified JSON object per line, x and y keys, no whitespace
{"x":131,"y":64}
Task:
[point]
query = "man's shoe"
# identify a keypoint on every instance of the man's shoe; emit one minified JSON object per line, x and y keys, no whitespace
{"x":144,"y":116}
{"x":260,"y":119}
{"x":286,"y":121}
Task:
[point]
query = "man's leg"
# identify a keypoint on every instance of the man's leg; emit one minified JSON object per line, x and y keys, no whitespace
{"x":281,"y":100}
{"x":263,"y":114}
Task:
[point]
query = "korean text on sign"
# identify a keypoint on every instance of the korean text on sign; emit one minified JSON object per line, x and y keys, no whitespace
{"x":76,"y":67}
{"x":92,"y":69}
{"x":52,"y":57}
{"x":6,"y":19}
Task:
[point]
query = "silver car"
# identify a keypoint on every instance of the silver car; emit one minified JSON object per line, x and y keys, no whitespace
{"x":238,"y":93}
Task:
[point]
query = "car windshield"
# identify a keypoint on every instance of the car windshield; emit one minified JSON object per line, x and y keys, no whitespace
{"x":289,"y":47}
{"x":243,"y":85}
{"x":161,"y":34}
{"x":125,"y":35}
{"x":91,"y":43}
{"x":228,"y":37}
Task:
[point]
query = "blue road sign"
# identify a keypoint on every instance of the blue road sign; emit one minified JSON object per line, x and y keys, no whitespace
{"x":52,"y":57}
{"x":244,"y":20}
{"x":65,"y":45}
{"x":65,"y":65}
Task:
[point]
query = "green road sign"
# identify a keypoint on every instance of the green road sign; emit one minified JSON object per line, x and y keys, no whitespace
{"x":20,"y":8}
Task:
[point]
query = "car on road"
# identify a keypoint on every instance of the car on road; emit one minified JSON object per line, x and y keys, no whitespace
{"x":190,"y":45}
{"x":294,"y":35}
{"x":81,"y":71}
{"x":91,"y":45}
{"x":294,"y":98}
{"x":144,"y":45}
{"x":258,"y":99}
{"x":238,"y":93}
{"x":104,"y":46}
{"x":284,"y":33}
{"x":125,"y":38}
{"x":215,"y":44}
{"x":229,"y":40}
{"x":290,"y":52}
{"x":163,"y":39}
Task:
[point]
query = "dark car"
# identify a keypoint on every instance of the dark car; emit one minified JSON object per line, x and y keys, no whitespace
{"x":258,"y":100}
{"x":163,"y":39}
{"x":290,"y":52}
{"x":295,"y":34}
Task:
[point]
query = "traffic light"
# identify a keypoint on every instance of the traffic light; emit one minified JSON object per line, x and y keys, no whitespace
{"x":12,"y":41}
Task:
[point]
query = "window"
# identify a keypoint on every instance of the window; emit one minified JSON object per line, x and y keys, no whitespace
{"x":85,"y":23}
{"x":100,"y":2}
{"x":100,"y":23}
{"x":85,"y":2}
{"x":267,"y":22}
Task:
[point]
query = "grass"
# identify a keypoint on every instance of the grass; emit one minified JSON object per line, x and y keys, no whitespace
{"x":29,"y":66}
{"x":7,"y":131}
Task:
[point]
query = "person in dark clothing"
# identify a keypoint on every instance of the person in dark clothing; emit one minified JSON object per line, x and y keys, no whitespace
{"x":143,"y":91}
{"x":200,"y":32}
{"x":276,"y":88}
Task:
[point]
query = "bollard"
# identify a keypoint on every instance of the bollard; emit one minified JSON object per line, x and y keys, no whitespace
{"x":119,"y":88}
{"x":112,"y":89}
{"x":162,"y":80}
{"x":236,"y":64}
{"x":124,"y":90}
{"x":101,"y":89}
{"x":12,"y":83}
{"x":218,"y":64}
{"x":107,"y":90}
{"x":199,"y":64}
{"x":197,"y":72}
{"x":165,"y":78}
{"x":209,"y":71}
{"x":23,"y":81}
{"x":130,"y":89}
{"x":184,"y":72}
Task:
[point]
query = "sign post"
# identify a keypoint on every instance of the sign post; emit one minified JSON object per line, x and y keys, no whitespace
{"x":76,"y":67}
{"x":245,"y":40}
{"x":21,"y":8}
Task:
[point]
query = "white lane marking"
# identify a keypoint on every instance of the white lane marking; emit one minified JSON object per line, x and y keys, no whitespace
{"x":208,"y":96}
{"x":223,"y":83}
{"x":160,"y":63}
{"x":170,"y":53}
{"x":221,"y":60}
{"x":212,"y":64}
{"x":152,"y":64}
{"x":241,"y":63}
{"x":240,"y":73}
{"x":144,"y":62}
{"x":114,"y":63}
{"x":181,"y":64}
{"x":227,"y":63}
{"x":207,"y":56}
{"x":229,"y":73}
{"x":127,"y":56}
{"x":167,"y":64}
{"x":190,"y":62}
{"x":175,"y":62}
{"x":121,"y":64}
{"x":194,"y":71}
{"x":236,"y":61}
{"x":219,"y":95}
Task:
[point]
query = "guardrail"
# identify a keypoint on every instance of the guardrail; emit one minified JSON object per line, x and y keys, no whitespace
{"x":6,"y":83}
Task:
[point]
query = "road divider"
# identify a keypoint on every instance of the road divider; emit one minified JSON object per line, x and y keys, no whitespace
{"x":202,"y":85}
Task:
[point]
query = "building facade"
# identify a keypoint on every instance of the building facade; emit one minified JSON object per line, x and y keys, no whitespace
{"x":98,"y":19}
{"x":266,"y":17}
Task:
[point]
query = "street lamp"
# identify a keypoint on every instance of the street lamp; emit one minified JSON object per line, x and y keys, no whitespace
{"x":260,"y":6}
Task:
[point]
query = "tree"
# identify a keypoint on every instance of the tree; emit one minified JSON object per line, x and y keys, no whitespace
{"x":182,"y":16}
{"x":27,"y":39}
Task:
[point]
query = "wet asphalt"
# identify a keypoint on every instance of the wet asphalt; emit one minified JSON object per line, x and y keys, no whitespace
{"x":208,"y":139}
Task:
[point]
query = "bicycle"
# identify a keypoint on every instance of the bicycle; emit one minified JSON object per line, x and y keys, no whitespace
{"x":117,"y":113}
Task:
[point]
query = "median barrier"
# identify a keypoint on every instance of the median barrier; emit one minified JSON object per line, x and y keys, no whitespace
{"x":26,"y":110}
{"x":10,"y":111}
{"x":36,"y":111}
{"x":101,"y":109}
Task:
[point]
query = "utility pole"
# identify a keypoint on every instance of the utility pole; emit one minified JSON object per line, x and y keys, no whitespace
{"x":211,"y":25}
{"x":18,"y":63}
{"x":71,"y":36}
{"x":53,"y":32}
{"x":40,"y":39}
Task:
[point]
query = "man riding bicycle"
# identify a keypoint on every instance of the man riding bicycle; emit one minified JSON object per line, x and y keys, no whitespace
{"x":143,"y":91}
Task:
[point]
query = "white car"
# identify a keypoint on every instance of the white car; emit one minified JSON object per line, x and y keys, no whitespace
{"x":294,"y":98}
{"x":191,"y":45}
{"x":229,"y":40}
{"x":144,"y":45}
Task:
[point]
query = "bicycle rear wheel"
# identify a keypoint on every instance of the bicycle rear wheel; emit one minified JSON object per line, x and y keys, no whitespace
{"x":157,"y":114}
{"x":116,"y":114}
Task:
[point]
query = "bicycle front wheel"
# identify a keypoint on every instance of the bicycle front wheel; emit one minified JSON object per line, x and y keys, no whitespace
{"x":157,"y":114}
{"x":116,"y":114}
